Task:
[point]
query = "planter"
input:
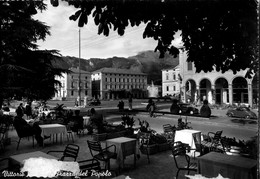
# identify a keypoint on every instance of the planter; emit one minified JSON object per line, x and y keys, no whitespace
{"x":163,"y":147}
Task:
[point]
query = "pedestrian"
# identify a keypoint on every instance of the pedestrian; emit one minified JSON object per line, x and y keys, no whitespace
{"x":121,"y":105}
{"x":205,"y":110}
{"x":130,"y":101}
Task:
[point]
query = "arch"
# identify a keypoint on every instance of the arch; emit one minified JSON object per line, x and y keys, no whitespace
{"x":221,"y":90}
{"x":205,"y":90}
{"x":255,"y":83}
{"x":190,"y":91}
{"x":240,"y":90}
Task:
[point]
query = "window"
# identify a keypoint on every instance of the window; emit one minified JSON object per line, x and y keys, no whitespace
{"x":86,"y":77}
{"x":174,"y":76}
{"x":72,"y":93}
{"x":189,"y":66}
{"x":106,"y":79}
{"x":72,"y":85}
{"x":86,"y":85}
{"x":174,"y":88}
{"x":110,"y":79}
{"x":167,"y":76}
{"x":86,"y":92}
{"x":167,"y":88}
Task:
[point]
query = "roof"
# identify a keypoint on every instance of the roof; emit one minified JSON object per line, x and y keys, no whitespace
{"x":118,"y":71}
{"x":171,"y":68}
{"x":76,"y":70}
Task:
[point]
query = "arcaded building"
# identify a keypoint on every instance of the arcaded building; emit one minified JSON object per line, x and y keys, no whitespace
{"x":216,"y":87}
{"x":115,"y":83}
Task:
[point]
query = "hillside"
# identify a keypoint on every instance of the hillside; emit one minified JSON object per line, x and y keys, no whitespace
{"x":146,"y":62}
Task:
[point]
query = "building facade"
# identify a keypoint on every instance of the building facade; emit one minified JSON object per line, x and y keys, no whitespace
{"x":216,"y":87}
{"x":171,"y":81}
{"x":69,"y":89}
{"x":114,"y":83}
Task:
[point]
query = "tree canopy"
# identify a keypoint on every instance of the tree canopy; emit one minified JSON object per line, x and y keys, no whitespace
{"x":220,"y":34}
{"x":25,"y":71}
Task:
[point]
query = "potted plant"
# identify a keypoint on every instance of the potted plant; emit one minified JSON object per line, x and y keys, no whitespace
{"x":128,"y":122}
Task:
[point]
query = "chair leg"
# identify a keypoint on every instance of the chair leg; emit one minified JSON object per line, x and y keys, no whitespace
{"x":148,"y":158}
{"x":18,"y":144}
{"x":33,"y":140}
{"x":177,"y":173}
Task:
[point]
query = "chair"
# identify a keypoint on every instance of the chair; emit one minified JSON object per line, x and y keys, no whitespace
{"x":212,"y":141}
{"x":198,"y":148}
{"x":70,"y":151}
{"x":144,"y":143}
{"x":3,"y":131}
{"x":21,"y":134}
{"x":102,"y":154}
{"x":169,"y":131}
{"x":179,"y":152}
{"x":69,"y":132}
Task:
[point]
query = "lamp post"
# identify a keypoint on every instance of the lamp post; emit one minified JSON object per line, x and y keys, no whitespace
{"x":79,"y":97}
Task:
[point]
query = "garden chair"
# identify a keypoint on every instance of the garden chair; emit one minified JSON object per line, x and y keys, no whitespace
{"x":21,"y":134}
{"x":3,"y":131}
{"x":169,"y":131}
{"x":70,"y":151}
{"x":198,"y":150}
{"x":143,"y":139}
{"x":102,"y":154}
{"x":213,"y":141}
{"x":179,"y":152}
{"x":70,"y":133}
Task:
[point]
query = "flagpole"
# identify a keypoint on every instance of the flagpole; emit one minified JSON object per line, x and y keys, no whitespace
{"x":79,"y":71}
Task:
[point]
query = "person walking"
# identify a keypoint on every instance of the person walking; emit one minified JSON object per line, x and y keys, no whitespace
{"x":130,"y":101}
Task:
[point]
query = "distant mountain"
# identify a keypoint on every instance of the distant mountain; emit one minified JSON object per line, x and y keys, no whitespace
{"x":147,"y":62}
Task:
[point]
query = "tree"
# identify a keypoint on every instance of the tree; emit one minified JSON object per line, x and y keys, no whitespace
{"x":219,"y":34}
{"x":24,"y":70}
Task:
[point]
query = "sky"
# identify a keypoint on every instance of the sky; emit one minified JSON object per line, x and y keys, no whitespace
{"x":65,"y":36}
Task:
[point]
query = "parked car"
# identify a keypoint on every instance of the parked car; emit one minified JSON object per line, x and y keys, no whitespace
{"x":186,"y":108}
{"x":243,"y":112}
{"x":95,"y":102}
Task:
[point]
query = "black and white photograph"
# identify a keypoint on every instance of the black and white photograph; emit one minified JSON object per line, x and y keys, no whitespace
{"x":129,"y":89}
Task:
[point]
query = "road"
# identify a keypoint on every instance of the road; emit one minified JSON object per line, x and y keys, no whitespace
{"x":240,"y":129}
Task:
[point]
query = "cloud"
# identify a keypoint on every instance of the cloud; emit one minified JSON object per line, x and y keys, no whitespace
{"x":65,"y":36}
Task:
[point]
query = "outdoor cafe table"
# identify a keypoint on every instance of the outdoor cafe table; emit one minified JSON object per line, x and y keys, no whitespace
{"x":187,"y":136}
{"x":124,"y":147}
{"x":51,"y":129}
{"x":19,"y":159}
{"x":233,"y":167}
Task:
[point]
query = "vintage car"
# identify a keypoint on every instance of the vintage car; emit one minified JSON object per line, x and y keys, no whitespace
{"x":186,"y":108}
{"x":242,"y":112}
{"x":95,"y":102}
